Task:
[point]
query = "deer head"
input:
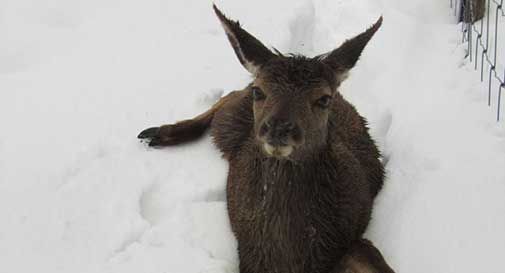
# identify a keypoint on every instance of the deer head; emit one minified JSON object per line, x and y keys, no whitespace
{"x":292,"y":95}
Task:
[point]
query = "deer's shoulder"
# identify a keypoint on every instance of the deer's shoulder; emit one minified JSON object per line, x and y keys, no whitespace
{"x":233,"y":123}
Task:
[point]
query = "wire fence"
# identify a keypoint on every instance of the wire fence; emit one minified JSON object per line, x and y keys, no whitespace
{"x":482,"y":25}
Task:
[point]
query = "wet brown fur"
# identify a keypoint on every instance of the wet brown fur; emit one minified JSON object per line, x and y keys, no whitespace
{"x":294,"y":216}
{"x":297,"y":216}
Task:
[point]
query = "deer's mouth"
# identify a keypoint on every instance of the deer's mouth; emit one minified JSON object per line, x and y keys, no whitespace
{"x":277,"y":151}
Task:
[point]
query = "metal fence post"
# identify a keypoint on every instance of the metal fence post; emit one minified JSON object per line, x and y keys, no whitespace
{"x":468,"y":13}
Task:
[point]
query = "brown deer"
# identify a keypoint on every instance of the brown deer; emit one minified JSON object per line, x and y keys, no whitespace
{"x":303,"y":170}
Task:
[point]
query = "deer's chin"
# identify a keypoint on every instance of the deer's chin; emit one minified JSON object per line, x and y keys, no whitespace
{"x":278,"y":151}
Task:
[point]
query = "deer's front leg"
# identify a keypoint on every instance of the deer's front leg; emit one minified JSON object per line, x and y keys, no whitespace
{"x":173,"y":134}
{"x":186,"y":130}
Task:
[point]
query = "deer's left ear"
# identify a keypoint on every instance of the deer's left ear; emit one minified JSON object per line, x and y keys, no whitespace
{"x":345,"y":57}
{"x":249,"y":50}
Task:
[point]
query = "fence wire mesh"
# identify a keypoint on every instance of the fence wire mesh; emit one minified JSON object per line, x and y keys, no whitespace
{"x":483,"y":47}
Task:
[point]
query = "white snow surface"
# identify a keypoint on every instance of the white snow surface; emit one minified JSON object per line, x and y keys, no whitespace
{"x":80,"y":79}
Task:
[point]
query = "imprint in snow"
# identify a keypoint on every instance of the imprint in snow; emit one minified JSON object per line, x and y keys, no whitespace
{"x":147,"y":208}
{"x":301,"y":30}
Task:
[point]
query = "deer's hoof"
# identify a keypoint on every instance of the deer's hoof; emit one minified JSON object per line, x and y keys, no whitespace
{"x":155,"y":142}
{"x":149,"y":133}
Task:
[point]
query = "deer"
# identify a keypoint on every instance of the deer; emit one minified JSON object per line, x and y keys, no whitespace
{"x":303,"y":168}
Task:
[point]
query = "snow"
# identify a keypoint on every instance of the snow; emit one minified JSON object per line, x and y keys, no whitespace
{"x":80,"y":79}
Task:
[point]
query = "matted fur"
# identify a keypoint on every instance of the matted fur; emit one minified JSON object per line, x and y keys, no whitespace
{"x":306,"y":212}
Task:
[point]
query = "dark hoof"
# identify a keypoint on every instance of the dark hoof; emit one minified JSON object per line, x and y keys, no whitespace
{"x":149,"y":133}
{"x":155,"y":142}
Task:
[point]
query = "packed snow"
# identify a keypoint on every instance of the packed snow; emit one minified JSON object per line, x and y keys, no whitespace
{"x":80,"y":79}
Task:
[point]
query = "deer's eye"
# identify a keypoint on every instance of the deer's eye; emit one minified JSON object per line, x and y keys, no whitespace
{"x":257,"y":93}
{"x":324,"y":101}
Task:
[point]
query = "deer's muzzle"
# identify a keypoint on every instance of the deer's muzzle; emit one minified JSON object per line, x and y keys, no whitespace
{"x":279,"y":137}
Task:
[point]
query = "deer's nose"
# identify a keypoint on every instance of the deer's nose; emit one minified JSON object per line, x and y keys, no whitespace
{"x":278,"y":132}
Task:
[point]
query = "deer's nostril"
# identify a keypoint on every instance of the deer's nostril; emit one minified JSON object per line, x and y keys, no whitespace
{"x":283,"y":127}
{"x":288,"y":126}
{"x":278,"y":131}
{"x":278,"y":124}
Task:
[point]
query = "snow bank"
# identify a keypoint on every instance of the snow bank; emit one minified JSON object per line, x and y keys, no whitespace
{"x":80,"y":79}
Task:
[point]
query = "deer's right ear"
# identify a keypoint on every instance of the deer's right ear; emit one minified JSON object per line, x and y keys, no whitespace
{"x":249,"y":50}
